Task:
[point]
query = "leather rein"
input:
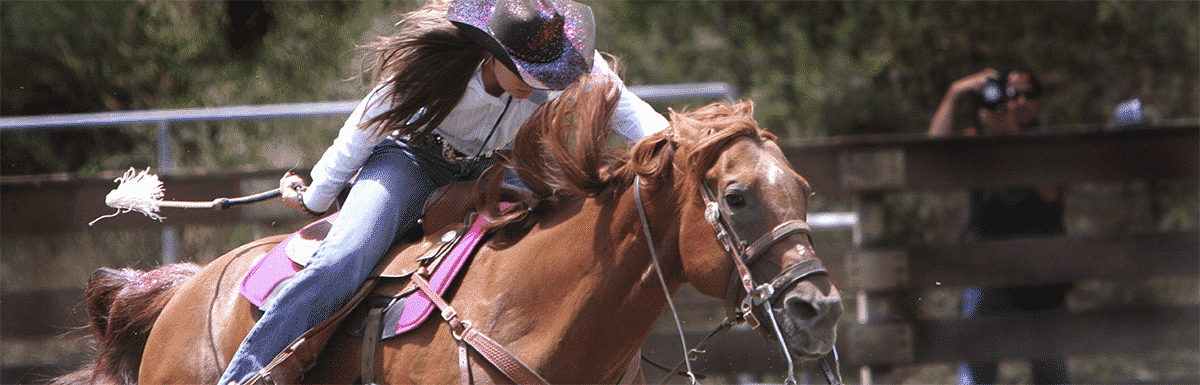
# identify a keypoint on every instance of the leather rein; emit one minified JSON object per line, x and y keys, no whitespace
{"x":762,"y":295}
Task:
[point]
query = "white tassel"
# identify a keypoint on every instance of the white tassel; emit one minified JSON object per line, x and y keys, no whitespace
{"x":141,"y":192}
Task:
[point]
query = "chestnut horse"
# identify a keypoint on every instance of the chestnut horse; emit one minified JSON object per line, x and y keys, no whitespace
{"x":567,"y":283}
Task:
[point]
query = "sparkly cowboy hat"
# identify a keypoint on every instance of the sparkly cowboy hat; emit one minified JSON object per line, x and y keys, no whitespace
{"x":548,"y":42}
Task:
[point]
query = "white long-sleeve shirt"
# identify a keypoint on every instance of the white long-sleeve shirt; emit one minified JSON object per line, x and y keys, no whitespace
{"x":465,"y":128}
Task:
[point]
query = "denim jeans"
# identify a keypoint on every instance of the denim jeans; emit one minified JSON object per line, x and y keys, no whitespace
{"x":978,"y":302}
{"x":385,"y":200}
{"x":1011,"y":213}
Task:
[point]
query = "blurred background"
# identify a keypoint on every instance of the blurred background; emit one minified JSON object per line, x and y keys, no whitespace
{"x":816,"y":69}
{"x":820,"y":73}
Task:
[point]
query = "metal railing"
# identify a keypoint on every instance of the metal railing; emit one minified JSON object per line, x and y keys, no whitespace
{"x":164,"y":118}
{"x":650,"y":93}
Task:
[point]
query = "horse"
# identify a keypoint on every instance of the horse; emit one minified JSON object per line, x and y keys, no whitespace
{"x":570,"y":282}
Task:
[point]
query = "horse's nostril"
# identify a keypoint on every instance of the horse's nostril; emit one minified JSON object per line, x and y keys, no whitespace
{"x":801,"y":309}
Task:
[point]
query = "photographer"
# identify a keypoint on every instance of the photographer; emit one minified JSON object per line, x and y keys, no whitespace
{"x":1006,"y":103}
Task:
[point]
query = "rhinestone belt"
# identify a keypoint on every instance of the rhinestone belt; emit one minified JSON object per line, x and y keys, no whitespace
{"x":451,"y":154}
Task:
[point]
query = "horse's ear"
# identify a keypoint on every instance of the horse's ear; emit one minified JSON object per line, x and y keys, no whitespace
{"x":745,"y":107}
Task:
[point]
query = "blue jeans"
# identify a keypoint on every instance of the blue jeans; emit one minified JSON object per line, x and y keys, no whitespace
{"x":1007,"y":300}
{"x":385,"y":200}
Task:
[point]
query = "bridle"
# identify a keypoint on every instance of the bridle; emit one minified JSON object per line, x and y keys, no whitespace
{"x":744,"y":255}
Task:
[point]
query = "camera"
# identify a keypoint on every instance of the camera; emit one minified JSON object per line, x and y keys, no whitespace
{"x":992,"y":97}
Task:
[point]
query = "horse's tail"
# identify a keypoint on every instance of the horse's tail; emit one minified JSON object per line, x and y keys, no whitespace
{"x":122,"y":305}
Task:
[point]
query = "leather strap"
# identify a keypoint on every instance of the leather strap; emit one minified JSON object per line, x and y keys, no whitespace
{"x":744,"y":255}
{"x":501,"y":358}
{"x":464,"y":363}
{"x":637,"y":198}
{"x":371,"y":336}
{"x":493,"y":352}
{"x":448,"y":312}
{"x":796,"y":273}
{"x":783,"y":230}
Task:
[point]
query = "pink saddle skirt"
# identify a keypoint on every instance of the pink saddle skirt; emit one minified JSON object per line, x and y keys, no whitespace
{"x":447,"y":251}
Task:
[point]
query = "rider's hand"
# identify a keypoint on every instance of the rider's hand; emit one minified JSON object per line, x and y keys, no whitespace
{"x":292,"y":187}
{"x":974,"y":83}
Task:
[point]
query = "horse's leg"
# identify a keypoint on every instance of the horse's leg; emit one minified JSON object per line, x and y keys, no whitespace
{"x":204,"y":323}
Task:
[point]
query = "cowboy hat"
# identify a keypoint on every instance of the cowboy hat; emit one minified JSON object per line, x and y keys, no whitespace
{"x":549,"y":43}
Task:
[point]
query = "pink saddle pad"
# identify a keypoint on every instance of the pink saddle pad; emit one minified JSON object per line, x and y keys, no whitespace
{"x":289,"y":256}
{"x":418,"y":306}
{"x":284,"y":261}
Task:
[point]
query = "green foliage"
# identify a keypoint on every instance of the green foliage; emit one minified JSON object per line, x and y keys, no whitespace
{"x":77,"y":56}
{"x":851,"y":67}
{"x":814,"y":68}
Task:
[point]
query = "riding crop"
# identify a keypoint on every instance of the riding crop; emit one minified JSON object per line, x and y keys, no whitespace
{"x":143,"y":192}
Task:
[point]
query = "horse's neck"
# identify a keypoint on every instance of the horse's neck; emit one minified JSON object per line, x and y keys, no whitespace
{"x":583,"y":291}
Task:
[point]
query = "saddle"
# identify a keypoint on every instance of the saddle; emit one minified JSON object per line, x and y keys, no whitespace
{"x":388,"y":304}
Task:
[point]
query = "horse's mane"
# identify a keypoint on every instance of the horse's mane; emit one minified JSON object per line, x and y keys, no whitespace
{"x":564,"y":150}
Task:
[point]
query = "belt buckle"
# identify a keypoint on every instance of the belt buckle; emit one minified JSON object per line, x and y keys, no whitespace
{"x":456,"y":157}
{"x":448,"y":152}
{"x":452,"y":155}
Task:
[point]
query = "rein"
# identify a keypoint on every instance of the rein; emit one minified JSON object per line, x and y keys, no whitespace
{"x":743,"y":255}
{"x":637,"y":197}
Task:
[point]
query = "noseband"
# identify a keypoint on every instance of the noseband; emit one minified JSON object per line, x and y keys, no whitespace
{"x":745,"y":254}
{"x":757,"y":295}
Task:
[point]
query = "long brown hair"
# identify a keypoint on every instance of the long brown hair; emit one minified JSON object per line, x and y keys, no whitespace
{"x":561,"y":149}
{"x":427,"y":64}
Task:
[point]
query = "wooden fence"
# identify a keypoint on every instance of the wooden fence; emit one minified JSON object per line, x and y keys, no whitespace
{"x":875,"y":280}
{"x":884,"y":279}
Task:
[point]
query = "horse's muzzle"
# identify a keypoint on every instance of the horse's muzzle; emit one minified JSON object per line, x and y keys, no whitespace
{"x":808,"y":315}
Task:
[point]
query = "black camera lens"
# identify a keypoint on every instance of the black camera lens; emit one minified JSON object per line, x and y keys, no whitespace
{"x":991,"y":96}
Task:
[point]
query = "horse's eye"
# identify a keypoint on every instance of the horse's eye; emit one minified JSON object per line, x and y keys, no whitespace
{"x":735,"y":200}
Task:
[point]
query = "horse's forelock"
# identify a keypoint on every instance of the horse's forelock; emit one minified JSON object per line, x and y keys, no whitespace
{"x":692,"y":143}
{"x":704,"y":134}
